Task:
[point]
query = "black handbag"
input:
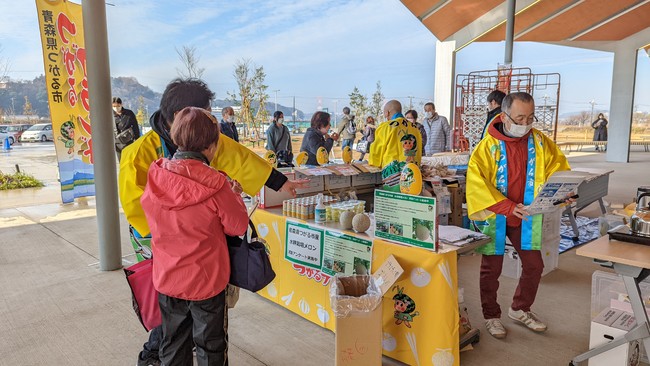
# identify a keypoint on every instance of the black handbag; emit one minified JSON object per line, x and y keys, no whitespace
{"x":250,"y":266}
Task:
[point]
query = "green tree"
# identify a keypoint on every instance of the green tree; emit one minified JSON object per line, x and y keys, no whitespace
{"x":376,"y":103}
{"x":358,"y":106}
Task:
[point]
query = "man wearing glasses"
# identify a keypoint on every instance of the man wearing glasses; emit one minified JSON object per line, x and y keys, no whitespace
{"x":505,"y":172}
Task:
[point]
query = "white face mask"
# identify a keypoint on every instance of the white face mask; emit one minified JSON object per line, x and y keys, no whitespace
{"x":516,"y":130}
{"x":117,"y":109}
{"x":428,"y":114}
{"x":230,"y":119}
{"x":280,"y":121}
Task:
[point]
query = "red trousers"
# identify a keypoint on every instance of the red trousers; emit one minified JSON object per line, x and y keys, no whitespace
{"x":491,"y":265}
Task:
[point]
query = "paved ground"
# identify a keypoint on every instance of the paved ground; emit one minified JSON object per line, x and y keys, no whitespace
{"x":56,"y":308}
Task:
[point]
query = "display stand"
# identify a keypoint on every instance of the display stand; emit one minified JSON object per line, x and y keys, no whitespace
{"x":427,"y":332}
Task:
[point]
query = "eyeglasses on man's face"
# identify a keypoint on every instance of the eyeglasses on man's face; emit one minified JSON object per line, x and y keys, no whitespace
{"x":523,"y":120}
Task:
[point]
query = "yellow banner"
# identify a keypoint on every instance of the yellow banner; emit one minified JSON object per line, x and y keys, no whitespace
{"x":64,"y":56}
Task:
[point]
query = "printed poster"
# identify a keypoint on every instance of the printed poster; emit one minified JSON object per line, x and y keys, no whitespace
{"x":304,"y":245}
{"x":64,"y":56}
{"x":346,"y":254}
{"x":406,"y":219}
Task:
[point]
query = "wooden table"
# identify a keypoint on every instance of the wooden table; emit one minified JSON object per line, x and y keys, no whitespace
{"x":632,"y":263}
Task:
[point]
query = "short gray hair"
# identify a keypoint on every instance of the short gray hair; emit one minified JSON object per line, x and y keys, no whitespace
{"x":520,"y":96}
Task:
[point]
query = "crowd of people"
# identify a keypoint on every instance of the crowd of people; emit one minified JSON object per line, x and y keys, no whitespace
{"x":183,"y":182}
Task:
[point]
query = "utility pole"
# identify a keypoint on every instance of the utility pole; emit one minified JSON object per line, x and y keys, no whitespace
{"x":591,"y":118}
{"x":294,"y":114}
{"x":410,"y":102}
{"x":276,"y":99}
{"x":336,"y":109}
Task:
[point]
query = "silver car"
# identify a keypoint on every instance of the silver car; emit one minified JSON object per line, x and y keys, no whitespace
{"x":40,"y":132}
{"x":5,"y":135}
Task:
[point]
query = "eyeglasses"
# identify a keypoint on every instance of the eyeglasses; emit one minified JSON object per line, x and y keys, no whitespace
{"x":522,"y":119}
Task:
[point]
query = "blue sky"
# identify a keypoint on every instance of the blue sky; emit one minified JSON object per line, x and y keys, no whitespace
{"x":315,"y":50}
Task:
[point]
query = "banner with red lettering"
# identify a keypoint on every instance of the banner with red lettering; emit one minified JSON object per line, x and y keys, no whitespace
{"x":64,"y":56}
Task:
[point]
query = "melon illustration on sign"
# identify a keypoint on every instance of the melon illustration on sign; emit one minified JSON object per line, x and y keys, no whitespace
{"x":347,"y":155}
{"x":322,"y":157}
{"x":272,"y":290}
{"x":263,"y":230}
{"x":443,"y":357}
{"x":304,"y":306}
{"x":389,"y":343}
{"x":410,"y":181}
{"x":420,"y":277}
{"x":323,"y":315}
{"x":271,"y":158}
{"x":301,"y":158}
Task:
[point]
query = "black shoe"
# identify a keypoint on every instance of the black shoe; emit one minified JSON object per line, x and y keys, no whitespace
{"x":149,"y":362}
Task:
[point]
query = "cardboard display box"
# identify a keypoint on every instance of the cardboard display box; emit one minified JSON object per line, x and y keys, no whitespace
{"x":356,"y":302}
{"x":628,"y":354}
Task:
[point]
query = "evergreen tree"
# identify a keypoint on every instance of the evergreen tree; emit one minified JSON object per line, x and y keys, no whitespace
{"x":358,"y":106}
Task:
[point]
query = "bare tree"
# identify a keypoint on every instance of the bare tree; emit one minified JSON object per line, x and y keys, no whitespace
{"x":376,"y":104}
{"x":261,"y":97}
{"x":246,"y":92}
{"x":190,"y":60}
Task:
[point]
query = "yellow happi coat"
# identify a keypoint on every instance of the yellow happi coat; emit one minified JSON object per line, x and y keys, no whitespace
{"x":482,"y":191}
{"x":237,"y":161}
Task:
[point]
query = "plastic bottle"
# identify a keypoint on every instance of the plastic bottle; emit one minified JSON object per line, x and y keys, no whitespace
{"x":320,"y":212}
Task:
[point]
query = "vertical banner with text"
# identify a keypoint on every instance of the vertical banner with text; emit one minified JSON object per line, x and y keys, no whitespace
{"x":64,"y":56}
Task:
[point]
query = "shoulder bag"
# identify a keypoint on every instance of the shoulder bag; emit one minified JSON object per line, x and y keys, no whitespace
{"x":144,"y":294}
{"x":250,"y":266}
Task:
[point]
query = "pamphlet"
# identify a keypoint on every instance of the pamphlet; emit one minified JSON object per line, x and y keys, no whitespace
{"x":560,"y":187}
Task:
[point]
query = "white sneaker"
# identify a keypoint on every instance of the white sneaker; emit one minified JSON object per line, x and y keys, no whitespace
{"x":496,"y":328}
{"x":527,"y":318}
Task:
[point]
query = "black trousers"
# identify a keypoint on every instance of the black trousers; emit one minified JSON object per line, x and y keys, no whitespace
{"x":188,"y":323}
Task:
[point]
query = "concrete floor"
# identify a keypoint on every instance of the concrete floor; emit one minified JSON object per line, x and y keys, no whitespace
{"x":56,"y":308}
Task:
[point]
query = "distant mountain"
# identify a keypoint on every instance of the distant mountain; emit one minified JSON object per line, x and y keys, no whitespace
{"x":12,"y":97}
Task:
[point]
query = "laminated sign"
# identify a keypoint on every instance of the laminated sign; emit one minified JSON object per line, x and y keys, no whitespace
{"x":304,"y":245}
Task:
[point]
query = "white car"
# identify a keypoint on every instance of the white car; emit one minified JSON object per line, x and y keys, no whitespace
{"x":40,"y":132}
{"x":6,"y":135}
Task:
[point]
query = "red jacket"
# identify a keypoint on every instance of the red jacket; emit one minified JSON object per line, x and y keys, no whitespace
{"x":189,"y":207}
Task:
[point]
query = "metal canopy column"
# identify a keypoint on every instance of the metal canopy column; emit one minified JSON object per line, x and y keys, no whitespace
{"x":622,"y":103}
{"x":444,"y":78}
{"x":510,"y":31}
{"x":99,"y":87}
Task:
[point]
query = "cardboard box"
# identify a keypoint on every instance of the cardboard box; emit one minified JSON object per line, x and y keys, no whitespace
{"x":457,"y":195}
{"x":316,"y":184}
{"x":269,"y":198}
{"x":550,"y":256}
{"x":625,"y":355}
{"x":337,"y":181}
{"x":356,"y":303}
{"x":364,"y":179}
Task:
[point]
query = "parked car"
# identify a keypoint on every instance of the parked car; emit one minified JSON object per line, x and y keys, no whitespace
{"x":40,"y":132}
{"x":6,"y":135}
{"x":17,"y":130}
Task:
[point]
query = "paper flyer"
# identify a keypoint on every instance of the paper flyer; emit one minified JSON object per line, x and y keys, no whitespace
{"x":554,"y":194}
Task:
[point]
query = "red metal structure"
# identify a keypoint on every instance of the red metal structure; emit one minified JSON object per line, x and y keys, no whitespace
{"x":471,"y":100}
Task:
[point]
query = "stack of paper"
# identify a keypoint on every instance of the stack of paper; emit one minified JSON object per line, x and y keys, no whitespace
{"x":458,"y":236}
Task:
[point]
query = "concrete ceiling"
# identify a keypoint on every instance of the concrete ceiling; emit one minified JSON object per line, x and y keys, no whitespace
{"x":550,"y":21}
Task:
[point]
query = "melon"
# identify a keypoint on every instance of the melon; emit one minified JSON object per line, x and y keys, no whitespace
{"x":361,"y":223}
{"x":346,"y":219}
{"x":422,"y":232}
